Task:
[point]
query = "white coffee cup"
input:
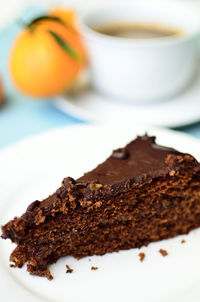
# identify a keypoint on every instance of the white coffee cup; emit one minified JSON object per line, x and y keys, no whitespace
{"x":142,"y":69}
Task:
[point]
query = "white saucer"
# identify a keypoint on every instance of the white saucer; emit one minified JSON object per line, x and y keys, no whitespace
{"x":180,"y":110}
{"x":34,"y":168}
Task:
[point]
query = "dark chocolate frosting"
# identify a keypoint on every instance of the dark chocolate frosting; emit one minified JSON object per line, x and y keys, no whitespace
{"x":140,"y":157}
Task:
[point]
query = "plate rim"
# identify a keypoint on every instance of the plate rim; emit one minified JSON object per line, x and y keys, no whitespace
{"x":67,"y":104}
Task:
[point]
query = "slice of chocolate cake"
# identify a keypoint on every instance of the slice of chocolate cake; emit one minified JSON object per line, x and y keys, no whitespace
{"x":140,"y":194}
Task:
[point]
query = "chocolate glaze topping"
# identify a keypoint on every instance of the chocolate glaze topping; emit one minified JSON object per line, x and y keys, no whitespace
{"x":138,"y":162}
{"x":140,"y":157}
{"x":120,"y":154}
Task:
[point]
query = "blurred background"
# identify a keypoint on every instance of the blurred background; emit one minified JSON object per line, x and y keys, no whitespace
{"x":26,"y":110}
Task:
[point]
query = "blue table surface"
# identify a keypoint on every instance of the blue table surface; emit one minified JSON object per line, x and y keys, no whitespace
{"x":22,"y":116}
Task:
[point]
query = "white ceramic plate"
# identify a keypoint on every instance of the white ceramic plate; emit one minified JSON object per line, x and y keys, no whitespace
{"x":34,"y":168}
{"x":180,"y":110}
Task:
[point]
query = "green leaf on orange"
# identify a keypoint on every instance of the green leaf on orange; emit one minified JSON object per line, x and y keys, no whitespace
{"x":66,"y":47}
{"x":45,"y":17}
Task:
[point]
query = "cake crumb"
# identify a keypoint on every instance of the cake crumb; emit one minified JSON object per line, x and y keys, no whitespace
{"x":183,"y":241}
{"x":172,"y":173}
{"x":163,"y":252}
{"x":142,"y":256}
{"x":69,"y":269}
{"x":89,"y":259}
{"x":94,"y":268}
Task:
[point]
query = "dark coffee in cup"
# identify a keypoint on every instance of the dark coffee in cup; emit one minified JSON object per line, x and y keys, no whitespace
{"x":138,"y":30}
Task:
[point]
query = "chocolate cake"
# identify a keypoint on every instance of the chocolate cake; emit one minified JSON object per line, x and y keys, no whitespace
{"x":140,"y":194}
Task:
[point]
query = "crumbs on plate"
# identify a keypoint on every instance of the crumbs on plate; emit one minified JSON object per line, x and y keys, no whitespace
{"x":163,"y":252}
{"x":94,"y":268}
{"x":69,"y":269}
{"x":141,"y":256}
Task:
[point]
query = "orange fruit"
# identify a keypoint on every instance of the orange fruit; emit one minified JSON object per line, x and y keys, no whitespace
{"x":46,"y":57}
{"x":67,"y":15}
